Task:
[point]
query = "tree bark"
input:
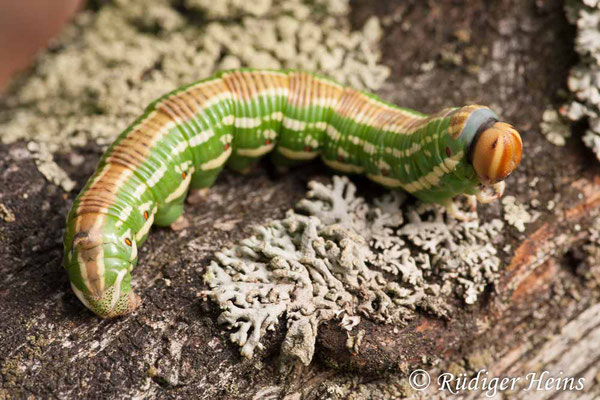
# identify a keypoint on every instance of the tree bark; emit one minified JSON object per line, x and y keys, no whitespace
{"x":543,"y":315}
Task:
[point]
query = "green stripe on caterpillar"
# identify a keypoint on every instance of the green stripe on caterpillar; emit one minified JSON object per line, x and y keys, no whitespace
{"x":185,"y":138}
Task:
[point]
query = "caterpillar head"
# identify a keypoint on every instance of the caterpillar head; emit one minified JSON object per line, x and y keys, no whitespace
{"x":99,"y":271}
{"x":496,"y":152}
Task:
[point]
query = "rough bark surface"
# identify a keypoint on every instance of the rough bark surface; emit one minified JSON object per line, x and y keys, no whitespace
{"x":543,"y":314}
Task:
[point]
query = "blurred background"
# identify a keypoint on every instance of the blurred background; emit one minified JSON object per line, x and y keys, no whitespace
{"x":27,"y":26}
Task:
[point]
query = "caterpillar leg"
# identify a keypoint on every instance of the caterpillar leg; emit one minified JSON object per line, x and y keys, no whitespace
{"x":497,"y":191}
{"x":169,"y":213}
{"x":172,"y":215}
{"x":472,"y":202}
{"x":280,"y":161}
{"x":455,"y":212}
{"x":204,"y":179}
{"x":241,"y":164}
{"x":201,"y":181}
{"x":180,"y":223}
{"x":197,"y":196}
{"x":281,"y":170}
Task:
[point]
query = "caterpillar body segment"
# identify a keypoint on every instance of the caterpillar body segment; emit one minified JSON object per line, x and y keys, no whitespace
{"x":185,"y":138}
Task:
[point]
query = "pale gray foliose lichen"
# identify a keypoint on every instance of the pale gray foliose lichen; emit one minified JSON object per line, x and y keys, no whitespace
{"x":339,"y":257}
{"x":515,"y":213}
{"x":584,"y":78}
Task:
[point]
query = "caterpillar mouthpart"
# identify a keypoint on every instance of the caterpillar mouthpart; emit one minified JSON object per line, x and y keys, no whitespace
{"x":497,"y":152}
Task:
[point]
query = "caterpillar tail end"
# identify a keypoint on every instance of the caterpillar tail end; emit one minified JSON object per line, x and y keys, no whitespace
{"x":112,"y":303}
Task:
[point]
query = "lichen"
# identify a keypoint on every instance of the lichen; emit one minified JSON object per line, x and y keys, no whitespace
{"x":338,"y":257}
{"x":590,"y":266}
{"x":555,"y":128}
{"x":584,"y":78}
{"x":115,"y":60}
{"x":48,"y":167}
{"x":516,"y":213}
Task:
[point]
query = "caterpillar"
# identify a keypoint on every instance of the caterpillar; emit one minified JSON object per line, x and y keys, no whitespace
{"x":185,"y":138}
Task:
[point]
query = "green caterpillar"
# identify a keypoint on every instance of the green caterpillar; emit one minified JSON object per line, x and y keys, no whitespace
{"x":185,"y":138}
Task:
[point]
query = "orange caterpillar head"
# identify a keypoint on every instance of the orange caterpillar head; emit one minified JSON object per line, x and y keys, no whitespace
{"x":496,"y":152}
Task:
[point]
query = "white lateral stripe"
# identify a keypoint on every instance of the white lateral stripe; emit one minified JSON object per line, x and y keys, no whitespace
{"x":140,"y":190}
{"x":383,"y":165}
{"x":83,"y":272}
{"x":276,"y":116}
{"x":355,"y":140}
{"x":117,"y":286}
{"x":433,"y":178}
{"x":183,"y":167}
{"x":226,"y":139}
{"x":98,"y":223}
{"x":452,"y":162}
{"x":134,"y":251}
{"x":217,"y":162}
{"x":181,"y":188}
{"x":81,"y":297}
{"x":125,"y":235}
{"x":145,"y":206}
{"x":156,"y":176}
{"x":369,"y":148}
{"x":333,"y":133}
{"x":164,"y":129}
{"x":180,"y":148}
{"x":124,"y":215}
{"x":294,"y":124}
{"x":247,"y":123}
{"x":311,"y":141}
{"x":270,"y":92}
{"x":385,"y":180}
{"x":123,"y":176}
{"x":216,"y":99}
{"x":162,"y":132}
{"x":202,"y":137}
{"x":269,"y":134}
{"x":342,"y":152}
{"x":257,"y":152}
{"x":146,"y":227}
{"x":323,"y":101}
{"x":228,"y":119}
{"x":343,"y":166}
{"x":321,"y":125}
{"x":297,"y":155}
